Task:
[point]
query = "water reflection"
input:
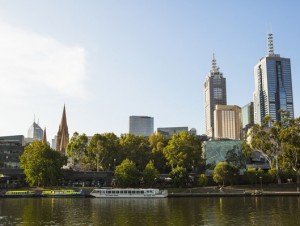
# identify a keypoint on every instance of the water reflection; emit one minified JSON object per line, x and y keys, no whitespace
{"x":171,"y":211}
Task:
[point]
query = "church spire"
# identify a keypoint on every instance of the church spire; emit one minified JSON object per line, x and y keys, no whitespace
{"x":62,"y":134}
{"x":45,"y":136}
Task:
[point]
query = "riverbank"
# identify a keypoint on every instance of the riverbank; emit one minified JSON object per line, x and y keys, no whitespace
{"x":290,"y":189}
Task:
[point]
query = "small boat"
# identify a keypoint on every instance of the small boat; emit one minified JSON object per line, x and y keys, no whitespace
{"x":20,"y":194}
{"x":129,"y":193}
{"x":63,"y":193}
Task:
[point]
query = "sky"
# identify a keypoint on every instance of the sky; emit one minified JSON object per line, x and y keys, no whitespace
{"x":107,"y":60}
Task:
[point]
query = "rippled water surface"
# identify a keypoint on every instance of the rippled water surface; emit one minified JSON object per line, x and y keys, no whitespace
{"x":136,"y":212}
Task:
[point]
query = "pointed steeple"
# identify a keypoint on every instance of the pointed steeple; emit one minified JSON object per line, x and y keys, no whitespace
{"x":62,"y":134}
{"x":45,"y":136}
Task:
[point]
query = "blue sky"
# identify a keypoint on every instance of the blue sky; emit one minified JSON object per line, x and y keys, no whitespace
{"x":107,"y":60}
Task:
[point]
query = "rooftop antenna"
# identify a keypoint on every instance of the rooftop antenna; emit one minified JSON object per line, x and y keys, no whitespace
{"x":270,"y":44}
{"x":214,"y":67}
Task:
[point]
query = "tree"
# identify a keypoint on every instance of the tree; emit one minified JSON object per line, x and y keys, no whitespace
{"x":126,"y":174}
{"x":265,"y":139}
{"x":184,"y":150}
{"x":76,"y":148}
{"x":180,"y":176}
{"x":202,"y":180}
{"x":103,"y":152}
{"x":150,"y":174}
{"x":135,"y":148}
{"x":42,"y":165}
{"x":224,"y":173}
{"x":157,"y":143}
{"x":290,"y":136}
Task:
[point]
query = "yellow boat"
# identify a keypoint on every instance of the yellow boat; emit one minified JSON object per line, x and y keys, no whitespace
{"x":62,"y":193}
{"x":20,"y":194}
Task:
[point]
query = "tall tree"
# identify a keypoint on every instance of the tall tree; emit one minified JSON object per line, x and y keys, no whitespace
{"x":103,"y":151}
{"x":184,"y":150}
{"x":157,"y":144}
{"x":42,"y":165}
{"x":150,"y":174}
{"x":136,"y":148}
{"x":127,"y":174}
{"x":290,"y":137}
{"x":76,"y":148}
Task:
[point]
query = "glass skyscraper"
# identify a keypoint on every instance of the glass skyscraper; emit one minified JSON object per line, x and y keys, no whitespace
{"x":273,"y":86}
{"x":215,"y":94}
{"x":141,"y":125}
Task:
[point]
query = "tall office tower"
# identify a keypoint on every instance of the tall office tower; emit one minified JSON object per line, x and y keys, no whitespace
{"x":228,"y":122}
{"x":141,"y":125}
{"x":215,"y":93}
{"x":35,"y":132}
{"x":248,"y":115}
{"x":273,"y":86}
{"x":62,"y":134}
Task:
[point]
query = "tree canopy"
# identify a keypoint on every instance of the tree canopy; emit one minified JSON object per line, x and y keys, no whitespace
{"x":126,"y":174}
{"x":42,"y":165}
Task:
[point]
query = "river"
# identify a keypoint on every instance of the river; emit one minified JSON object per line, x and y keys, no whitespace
{"x":139,"y":212}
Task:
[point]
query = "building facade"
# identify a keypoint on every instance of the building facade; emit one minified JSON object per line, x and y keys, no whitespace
{"x":141,"y":125}
{"x":228,"y":122}
{"x":170,"y":131}
{"x":62,"y":138}
{"x":214,"y":94}
{"x":248,"y":115}
{"x":11,"y":148}
{"x":273,"y":86}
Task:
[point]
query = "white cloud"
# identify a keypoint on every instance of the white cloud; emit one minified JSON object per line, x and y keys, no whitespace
{"x":30,"y":61}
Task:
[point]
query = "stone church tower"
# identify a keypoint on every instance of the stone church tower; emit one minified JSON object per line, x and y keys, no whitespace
{"x":62,"y":134}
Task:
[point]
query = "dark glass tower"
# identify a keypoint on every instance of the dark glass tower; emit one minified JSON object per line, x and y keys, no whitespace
{"x":273,"y":86}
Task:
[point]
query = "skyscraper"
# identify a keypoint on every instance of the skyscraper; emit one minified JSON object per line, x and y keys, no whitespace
{"x":62,"y":134}
{"x":215,"y":93}
{"x":273,"y":86}
{"x":228,"y":122}
{"x":248,"y":115}
{"x":141,"y":125}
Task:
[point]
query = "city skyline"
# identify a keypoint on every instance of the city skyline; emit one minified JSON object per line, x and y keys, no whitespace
{"x":109,"y":60}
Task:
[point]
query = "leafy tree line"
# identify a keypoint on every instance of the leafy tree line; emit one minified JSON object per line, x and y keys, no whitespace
{"x":107,"y":151}
{"x":278,"y":142}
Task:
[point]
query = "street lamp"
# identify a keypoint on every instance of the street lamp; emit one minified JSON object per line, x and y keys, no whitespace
{"x":114,"y":164}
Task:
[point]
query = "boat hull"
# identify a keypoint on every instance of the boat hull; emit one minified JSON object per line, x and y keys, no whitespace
{"x":128,"y":193}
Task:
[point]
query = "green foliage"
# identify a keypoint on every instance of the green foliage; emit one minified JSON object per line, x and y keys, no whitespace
{"x":76,"y":148}
{"x":224,"y":173}
{"x":202,"y":180}
{"x":136,"y":148}
{"x":235,"y":158}
{"x":184,"y":150}
{"x":180,"y":176}
{"x":126,"y":174}
{"x":157,"y":143}
{"x":251,"y":175}
{"x":150,"y":174}
{"x":41,"y":164}
{"x":102,"y":153}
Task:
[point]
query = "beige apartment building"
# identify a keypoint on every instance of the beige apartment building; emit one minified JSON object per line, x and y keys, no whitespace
{"x":228,"y":122}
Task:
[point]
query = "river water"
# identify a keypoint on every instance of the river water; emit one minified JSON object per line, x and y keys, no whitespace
{"x":139,"y":212}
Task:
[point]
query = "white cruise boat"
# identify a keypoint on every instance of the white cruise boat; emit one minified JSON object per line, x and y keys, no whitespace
{"x":129,"y":193}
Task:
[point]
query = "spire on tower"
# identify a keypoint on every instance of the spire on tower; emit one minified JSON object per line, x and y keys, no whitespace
{"x":270,"y":44}
{"x":214,"y":67}
{"x":45,"y":136}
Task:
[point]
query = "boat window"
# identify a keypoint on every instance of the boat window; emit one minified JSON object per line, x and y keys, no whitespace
{"x":142,"y":192}
{"x":108,"y":192}
{"x":125,"y":192}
